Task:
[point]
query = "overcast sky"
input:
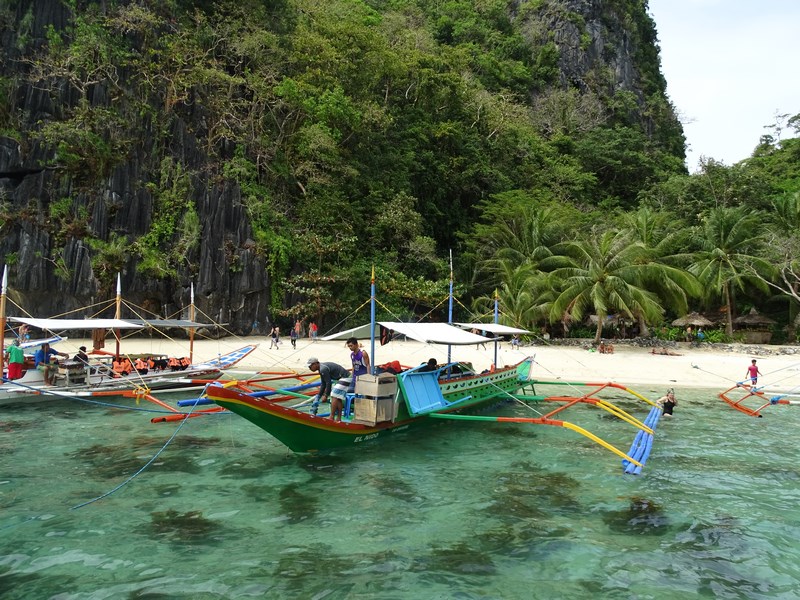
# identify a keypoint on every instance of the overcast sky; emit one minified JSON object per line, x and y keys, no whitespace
{"x":730,"y":66}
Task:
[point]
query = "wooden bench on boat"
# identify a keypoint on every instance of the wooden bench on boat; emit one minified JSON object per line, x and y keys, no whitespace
{"x":72,"y":371}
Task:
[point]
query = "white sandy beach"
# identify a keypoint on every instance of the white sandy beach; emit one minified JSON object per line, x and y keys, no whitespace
{"x":634,"y":366}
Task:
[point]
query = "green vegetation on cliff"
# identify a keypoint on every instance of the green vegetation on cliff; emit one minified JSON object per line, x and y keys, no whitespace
{"x":523,"y":134}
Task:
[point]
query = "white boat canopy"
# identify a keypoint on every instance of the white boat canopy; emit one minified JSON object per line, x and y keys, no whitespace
{"x":494,"y":328}
{"x":427,"y":333}
{"x":164,"y":323}
{"x":64,"y":324}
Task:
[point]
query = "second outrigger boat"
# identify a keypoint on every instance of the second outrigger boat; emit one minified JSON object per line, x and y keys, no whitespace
{"x":95,"y":376}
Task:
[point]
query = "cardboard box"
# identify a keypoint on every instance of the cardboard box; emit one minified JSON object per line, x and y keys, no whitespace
{"x":370,"y":411}
{"x":377,"y":386}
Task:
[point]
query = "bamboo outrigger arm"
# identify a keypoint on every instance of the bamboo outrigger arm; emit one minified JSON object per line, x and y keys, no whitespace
{"x":544,"y":421}
{"x":753,"y":394}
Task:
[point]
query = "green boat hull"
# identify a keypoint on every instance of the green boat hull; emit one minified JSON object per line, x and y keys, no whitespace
{"x":302,"y":432}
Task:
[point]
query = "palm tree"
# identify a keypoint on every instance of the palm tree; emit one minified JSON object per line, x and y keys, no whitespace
{"x":510,"y":255}
{"x":605,"y":273}
{"x":663,"y":236}
{"x":523,"y":293}
{"x":782,"y":248}
{"x":525,"y":237}
{"x":729,"y":239}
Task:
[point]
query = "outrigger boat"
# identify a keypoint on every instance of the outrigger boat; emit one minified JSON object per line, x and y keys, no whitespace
{"x":96,"y":377}
{"x":386,"y":404}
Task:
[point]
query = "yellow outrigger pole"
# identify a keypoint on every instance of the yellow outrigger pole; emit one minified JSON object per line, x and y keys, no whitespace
{"x":633,"y":460}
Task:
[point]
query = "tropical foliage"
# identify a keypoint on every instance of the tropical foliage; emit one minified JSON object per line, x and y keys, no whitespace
{"x":368,"y":132}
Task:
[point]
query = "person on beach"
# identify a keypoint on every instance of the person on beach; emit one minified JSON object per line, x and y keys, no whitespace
{"x":312,"y":331}
{"x":478,"y":332}
{"x":275,"y":337}
{"x":293,"y":335}
{"x":16,"y":358}
{"x":328,"y":372}
{"x":667,"y":403}
{"x":604,"y":348}
{"x":752,"y":374}
{"x":665,"y":351}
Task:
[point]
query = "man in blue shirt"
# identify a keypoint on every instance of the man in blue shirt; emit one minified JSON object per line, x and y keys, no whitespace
{"x":41,"y":360}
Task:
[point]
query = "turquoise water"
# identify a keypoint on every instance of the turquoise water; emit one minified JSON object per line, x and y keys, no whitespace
{"x":464,"y":510}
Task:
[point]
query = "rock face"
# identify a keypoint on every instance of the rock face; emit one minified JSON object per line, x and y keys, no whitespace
{"x":53,"y":274}
{"x":51,"y":267}
{"x":595,"y":40}
{"x":66,"y":233}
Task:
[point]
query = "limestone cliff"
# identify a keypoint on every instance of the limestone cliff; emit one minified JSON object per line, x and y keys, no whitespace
{"x":105,"y":170}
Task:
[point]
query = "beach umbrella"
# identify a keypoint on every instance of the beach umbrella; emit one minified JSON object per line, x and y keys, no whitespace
{"x":694,"y":319}
{"x":754,"y":319}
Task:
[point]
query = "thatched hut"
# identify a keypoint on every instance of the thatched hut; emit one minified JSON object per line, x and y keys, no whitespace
{"x":694,"y":319}
{"x":757,"y":328}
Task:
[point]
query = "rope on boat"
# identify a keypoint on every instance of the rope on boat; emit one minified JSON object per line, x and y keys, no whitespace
{"x":790,"y":392}
{"x":515,"y":398}
{"x":28,"y":520}
{"x":147,"y":464}
{"x":728,"y":379}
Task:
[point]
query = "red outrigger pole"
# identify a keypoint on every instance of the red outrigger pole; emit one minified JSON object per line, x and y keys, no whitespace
{"x":750,"y":393}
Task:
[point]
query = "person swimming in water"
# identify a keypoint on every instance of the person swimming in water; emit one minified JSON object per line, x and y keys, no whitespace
{"x":667,"y":402}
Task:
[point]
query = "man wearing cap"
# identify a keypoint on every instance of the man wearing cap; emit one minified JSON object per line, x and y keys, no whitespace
{"x":328,"y":372}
